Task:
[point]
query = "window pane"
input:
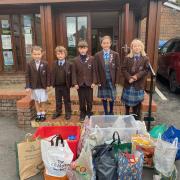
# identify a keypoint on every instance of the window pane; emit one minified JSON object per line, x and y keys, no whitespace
{"x":17,"y":41}
{"x":71,"y":35}
{"x":82,"y":28}
{"x":6,"y":39}
{"x":176,"y":47}
{"x":28,"y":35}
{"x":38,"y":29}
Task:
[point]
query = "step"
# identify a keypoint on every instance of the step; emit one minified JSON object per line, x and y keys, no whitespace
{"x":7,"y":79}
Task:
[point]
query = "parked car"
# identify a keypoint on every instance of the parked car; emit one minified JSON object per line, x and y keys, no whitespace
{"x":169,"y":63}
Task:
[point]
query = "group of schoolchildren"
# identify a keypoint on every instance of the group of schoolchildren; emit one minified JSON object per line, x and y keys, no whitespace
{"x":86,"y":72}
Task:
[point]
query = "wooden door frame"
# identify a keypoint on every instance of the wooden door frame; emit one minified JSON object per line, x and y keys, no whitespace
{"x":63,"y":28}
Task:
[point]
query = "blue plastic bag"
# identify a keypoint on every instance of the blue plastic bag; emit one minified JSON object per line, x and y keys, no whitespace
{"x":169,"y":135}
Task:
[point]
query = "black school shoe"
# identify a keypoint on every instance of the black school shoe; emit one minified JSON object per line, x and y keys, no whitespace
{"x":43,"y":117}
{"x":90,"y":114}
{"x":56,"y":115}
{"x":38,"y":118}
{"x":68,"y":116}
{"x":82,"y":118}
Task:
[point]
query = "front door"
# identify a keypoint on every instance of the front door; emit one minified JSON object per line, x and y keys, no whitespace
{"x":104,"y":23}
{"x":77,"y":28}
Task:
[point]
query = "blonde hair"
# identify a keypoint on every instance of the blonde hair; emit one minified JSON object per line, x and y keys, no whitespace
{"x":36,"y":48}
{"x":106,"y":37}
{"x":61,"y":49}
{"x":131,"y":54}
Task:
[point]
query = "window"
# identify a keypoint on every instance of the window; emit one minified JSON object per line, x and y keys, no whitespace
{"x":76,"y":30}
{"x":18,"y":33}
{"x":176,"y":47}
{"x":6,"y":43}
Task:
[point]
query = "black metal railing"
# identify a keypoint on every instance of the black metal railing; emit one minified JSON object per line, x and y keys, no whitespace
{"x":150,"y":118}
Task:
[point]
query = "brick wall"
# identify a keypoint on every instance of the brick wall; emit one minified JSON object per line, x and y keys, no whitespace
{"x":8,"y":102}
{"x":18,"y":104}
{"x":169,"y":24}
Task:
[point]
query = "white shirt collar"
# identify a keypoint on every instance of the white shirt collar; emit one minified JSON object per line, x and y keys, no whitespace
{"x":61,"y":61}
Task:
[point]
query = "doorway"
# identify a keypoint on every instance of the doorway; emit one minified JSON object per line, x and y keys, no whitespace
{"x":104,"y":23}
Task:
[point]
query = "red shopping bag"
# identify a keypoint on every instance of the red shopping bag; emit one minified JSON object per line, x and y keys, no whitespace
{"x":64,"y":131}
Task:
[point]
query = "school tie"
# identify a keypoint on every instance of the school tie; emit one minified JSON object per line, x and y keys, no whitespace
{"x":60,"y":63}
{"x":137,"y":58}
{"x":106,"y":55}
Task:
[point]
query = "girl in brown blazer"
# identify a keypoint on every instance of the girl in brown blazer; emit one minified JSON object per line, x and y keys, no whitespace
{"x":107,"y":65}
{"x":135,"y":68}
{"x":37,"y":81}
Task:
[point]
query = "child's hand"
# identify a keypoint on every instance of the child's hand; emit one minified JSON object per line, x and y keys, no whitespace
{"x":48,"y":88}
{"x":28,"y":89}
{"x":92,"y":85}
{"x":134,"y":77}
{"x":76,"y":86}
{"x":131,"y":80}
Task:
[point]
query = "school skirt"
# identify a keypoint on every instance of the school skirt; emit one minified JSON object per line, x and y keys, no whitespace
{"x":107,"y":92}
{"x":131,"y":96}
{"x":39,"y":95}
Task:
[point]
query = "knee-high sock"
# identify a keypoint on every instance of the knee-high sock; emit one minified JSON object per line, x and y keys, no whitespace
{"x":111,"y":105}
{"x":127,"y":110}
{"x":105,"y":105}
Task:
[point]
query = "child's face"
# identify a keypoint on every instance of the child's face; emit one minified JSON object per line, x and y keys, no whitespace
{"x":60,"y":55}
{"x":136,"y":48}
{"x":37,"y":54}
{"x":83,"y":50}
{"x":106,"y":44}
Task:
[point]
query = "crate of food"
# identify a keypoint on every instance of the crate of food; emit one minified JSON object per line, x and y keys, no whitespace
{"x":106,"y":125}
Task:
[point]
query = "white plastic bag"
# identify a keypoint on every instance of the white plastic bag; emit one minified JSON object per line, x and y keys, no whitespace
{"x":164,"y":156}
{"x":56,"y":155}
{"x":84,"y":165}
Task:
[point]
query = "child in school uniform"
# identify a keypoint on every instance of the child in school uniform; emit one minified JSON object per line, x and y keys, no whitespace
{"x":37,"y":81}
{"x":62,"y":81}
{"x":134,"y":68}
{"x":107,"y":65}
{"x":84,"y":79}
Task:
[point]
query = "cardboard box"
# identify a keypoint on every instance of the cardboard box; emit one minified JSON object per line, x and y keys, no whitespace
{"x":47,"y":177}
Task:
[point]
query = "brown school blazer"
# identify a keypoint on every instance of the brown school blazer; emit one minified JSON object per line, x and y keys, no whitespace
{"x":68,"y":71}
{"x":140,"y":70}
{"x":32,"y":74}
{"x":84,"y":72}
{"x":114,"y":67}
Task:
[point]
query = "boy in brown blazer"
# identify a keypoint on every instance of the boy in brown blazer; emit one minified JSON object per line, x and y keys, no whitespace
{"x":61,"y":80}
{"x":37,"y":81}
{"x":84,"y":79}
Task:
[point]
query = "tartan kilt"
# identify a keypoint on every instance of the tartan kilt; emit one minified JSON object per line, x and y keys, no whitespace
{"x":132,"y":97}
{"x":107,"y":92}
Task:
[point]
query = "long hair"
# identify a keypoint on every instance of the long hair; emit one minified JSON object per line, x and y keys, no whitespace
{"x":131,"y":54}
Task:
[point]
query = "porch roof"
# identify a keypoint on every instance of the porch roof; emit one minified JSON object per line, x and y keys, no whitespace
{"x":6,"y":2}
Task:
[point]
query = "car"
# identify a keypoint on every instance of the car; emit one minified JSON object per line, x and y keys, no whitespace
{"x":169,"y":63}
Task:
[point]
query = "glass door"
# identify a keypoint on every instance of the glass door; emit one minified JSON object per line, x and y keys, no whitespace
{"x":77,"y":28}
